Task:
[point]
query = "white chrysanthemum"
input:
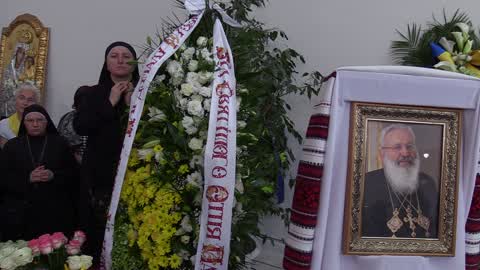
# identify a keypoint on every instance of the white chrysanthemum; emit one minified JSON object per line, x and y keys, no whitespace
{"x":195,"y":144}
{"x":187,"y":55}
{"x":205,"y":77}
{"x":195,"y":108}
{"x":241,"y":124}
{"x":207,"y":104}
{"x":197,"y":160}
{"x":185,"y":239}
{"x":202,"y":41}
{"x":195,"y":179}
{"x":193,"y":65}
{"x":187,"y":89}
{"x":174,"y":67}
{"x":205,"y":91}
{"x":185,"y":223}
{"x":156,"y":114}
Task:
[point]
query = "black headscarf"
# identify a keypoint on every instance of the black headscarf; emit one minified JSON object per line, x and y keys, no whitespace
{"x":51,"y":129}
{"x":105,"y":74}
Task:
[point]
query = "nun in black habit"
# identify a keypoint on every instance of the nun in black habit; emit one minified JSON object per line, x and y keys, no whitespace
{"x":100,"y":116}
{"x":37,"y":169}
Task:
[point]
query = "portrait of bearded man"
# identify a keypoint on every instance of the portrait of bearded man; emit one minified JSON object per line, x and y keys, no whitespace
{"x":399,"y":200}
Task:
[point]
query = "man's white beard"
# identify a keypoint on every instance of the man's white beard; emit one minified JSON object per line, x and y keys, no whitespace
{"x":402,"y":180}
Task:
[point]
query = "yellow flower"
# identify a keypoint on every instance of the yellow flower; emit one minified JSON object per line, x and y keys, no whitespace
{"x":157,"y":148}
{"x":183,"y":169}
{"x":175,"y":261}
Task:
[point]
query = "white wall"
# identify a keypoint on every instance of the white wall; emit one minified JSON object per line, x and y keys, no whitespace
{"x":329,"y":34}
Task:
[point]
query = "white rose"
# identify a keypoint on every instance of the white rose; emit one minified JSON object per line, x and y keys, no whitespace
{"x":183,"y":47}
{"x":205,"y":53}
{"x":177,"y":79}
{"x":8,"y":264}
{"x":197,"y":98}
{"x":86,"y":261}
{"x":192,"y":77}
{"x":193,"y":65}
{"x":174,"y":67}
{"x":205,"y":77}
{"x":158,"y":79}
{"x":241,"y":124}
{"x":22,"y":256}
{"x":187,"y":121}
{"x":7,"y":250}
{"x":195,"y":144}
{"x":205,"y":91}
{"x":196,"y":160}
{"x":207,"y":104}
{"x":74,"y":262}
{"x":202,"y":41}
{"x":183,"y":103}
{"x":156,"y":114}
{"x":195,"y":108}
{"x":188,"y":54}
{"x":203,"y":134}
{"x":186,"y":89}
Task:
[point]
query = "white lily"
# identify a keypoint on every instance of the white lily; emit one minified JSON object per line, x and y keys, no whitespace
{"x":445,"y":65}
{"x":447,"y":44}
{"x":464,"y":27}
{"x":468,"y":47}
{"x":459,"y":39}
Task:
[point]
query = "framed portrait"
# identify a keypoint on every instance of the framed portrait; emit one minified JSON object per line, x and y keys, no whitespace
{"x":401,"y":196}
{"x":23,"y":58}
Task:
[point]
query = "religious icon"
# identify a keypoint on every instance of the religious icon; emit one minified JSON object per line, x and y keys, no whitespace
{"x":399,"y":174}
{"x":23,"y":54}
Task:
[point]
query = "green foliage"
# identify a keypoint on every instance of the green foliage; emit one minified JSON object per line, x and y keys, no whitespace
{"x":413,"y":48}
{"x":266,"y":74}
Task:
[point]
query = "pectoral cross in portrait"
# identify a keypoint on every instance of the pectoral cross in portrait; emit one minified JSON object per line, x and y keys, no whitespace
{"x":411,"y":220}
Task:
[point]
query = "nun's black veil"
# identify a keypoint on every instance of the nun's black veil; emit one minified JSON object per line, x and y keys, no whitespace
{"x":105,"y":78}
{"x":51,"y":129}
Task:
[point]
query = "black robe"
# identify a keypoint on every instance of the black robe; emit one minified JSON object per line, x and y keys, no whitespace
{"x":101,"y":122}
{"x":377,"y":207}
{"x":31,"y":209}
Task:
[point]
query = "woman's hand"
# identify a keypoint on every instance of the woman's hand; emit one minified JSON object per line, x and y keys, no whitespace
{"x":128,"y":95}
{"x":117,"y":90}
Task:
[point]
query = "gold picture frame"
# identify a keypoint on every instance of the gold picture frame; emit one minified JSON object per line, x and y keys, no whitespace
{"x":23,"y":58}
{"x":392,"y":206}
